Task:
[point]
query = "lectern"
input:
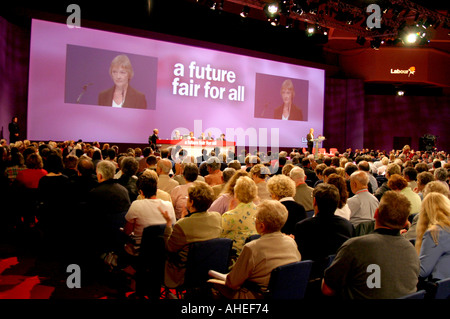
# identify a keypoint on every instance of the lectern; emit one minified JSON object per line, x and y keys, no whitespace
{"x":317,"y":143}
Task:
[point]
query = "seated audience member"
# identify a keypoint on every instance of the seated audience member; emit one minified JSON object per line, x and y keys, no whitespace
{"x":29,"y":177}
{"x":423,"y":179}
{"x":70,"y":166}
{"x":441,"y":174}
{"x":365,"y":167}
{"x":198,"y":225}
{"x":159,"y":193}
{"x":327,"y":172}
{"x":179,"y":168}
{"x":319,"y":173}
{"x":227,"y":173}
{"x":410,"y":232}
{"x":226,"y":201}
{"x":128,"y":179}
{"x":311,"y":177}
{"x":85,"y":180}
{"x":433,"y":238}
{"x":355,"y":271}
{"x":235,"y":164}
{"x":151,"y":162}
{"x":410,"y":174}
{"x":350,"y":168}
{"x":165,"y":182}
{"x":259,"y":257}
{"x":391,"y":169}
{"x":146,"y":152}
{"x":16,"y":165}
{"x":287,"y":169}
{"x":421,"y":167}
{"x":180,"y":193}
{"x":214,"y":176}
{"x":342,"y":210}
{"x":237,"y":224}
{"x":282,"y":188}
{"x":322,"y":235}
{"x":259,"y":174}
{"x":363,"y":204}
{"x":145,"y":212}
{"x":303,"y":192}
{"x":52,"y":192}
{"x":108,"y":203}
{"x":384,"y":163}
{"x":398,"y":183}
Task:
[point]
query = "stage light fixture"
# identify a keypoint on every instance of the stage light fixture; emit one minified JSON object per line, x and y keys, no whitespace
{"x":411,"y":38}
{"x":400,"y":93}
{"x":245,"y":11}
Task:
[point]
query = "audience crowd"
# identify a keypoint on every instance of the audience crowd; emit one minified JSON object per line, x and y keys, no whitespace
{"x":90,"y":204}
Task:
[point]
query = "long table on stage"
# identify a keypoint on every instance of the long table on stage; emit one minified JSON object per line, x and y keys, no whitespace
{"x":194,"y":147}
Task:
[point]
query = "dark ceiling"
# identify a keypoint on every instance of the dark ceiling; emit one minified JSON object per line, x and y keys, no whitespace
{"x":194,"y":19}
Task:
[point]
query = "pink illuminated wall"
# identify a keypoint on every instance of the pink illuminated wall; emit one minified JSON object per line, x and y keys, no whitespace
{"x":187,"y":88}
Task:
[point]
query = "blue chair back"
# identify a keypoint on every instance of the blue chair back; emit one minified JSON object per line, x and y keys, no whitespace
{"x":213,"y":254}
{"x":290,"y":281}
{"x":443,"y":289}
{"x":415,"y":295}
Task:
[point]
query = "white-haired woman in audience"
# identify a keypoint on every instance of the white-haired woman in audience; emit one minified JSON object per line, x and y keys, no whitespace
{"x":282,"y":188}
{"x":259,"y":257}
{"x":433,"y":238}
{"x":238,"y":223}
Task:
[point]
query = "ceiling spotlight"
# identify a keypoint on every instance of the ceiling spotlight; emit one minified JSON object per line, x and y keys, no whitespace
{"x":400,"y":93}
{"x":411,"y":38}
{"x":310,"y":30}
{"x":245,"y":11}
{"x":271,"y":9}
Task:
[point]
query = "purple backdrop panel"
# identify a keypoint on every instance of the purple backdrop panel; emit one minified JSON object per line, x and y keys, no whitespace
{"x":197,"y":89}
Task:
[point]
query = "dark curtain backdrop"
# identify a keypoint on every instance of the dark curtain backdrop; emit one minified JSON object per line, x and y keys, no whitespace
{"x":351,"y":119}
{"x":14,"y":61}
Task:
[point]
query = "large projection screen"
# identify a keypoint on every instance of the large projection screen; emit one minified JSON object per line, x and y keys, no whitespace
{"x":174,"y":87}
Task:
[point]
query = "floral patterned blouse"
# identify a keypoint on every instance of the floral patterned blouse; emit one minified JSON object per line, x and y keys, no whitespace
{"x":238,"y":224}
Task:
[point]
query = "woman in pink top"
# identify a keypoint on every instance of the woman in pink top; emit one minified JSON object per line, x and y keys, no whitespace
{"x":30,"y":176}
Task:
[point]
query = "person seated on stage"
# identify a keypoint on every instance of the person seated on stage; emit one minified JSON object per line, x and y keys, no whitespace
{"x":165,"y":182}
{"x":379,"y":265}
{"x":198,"y":225}
{"x":282,"y":188}
{"x":214,"y":176}
{"x":177,"y":136}
{"x":259,"y":257}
